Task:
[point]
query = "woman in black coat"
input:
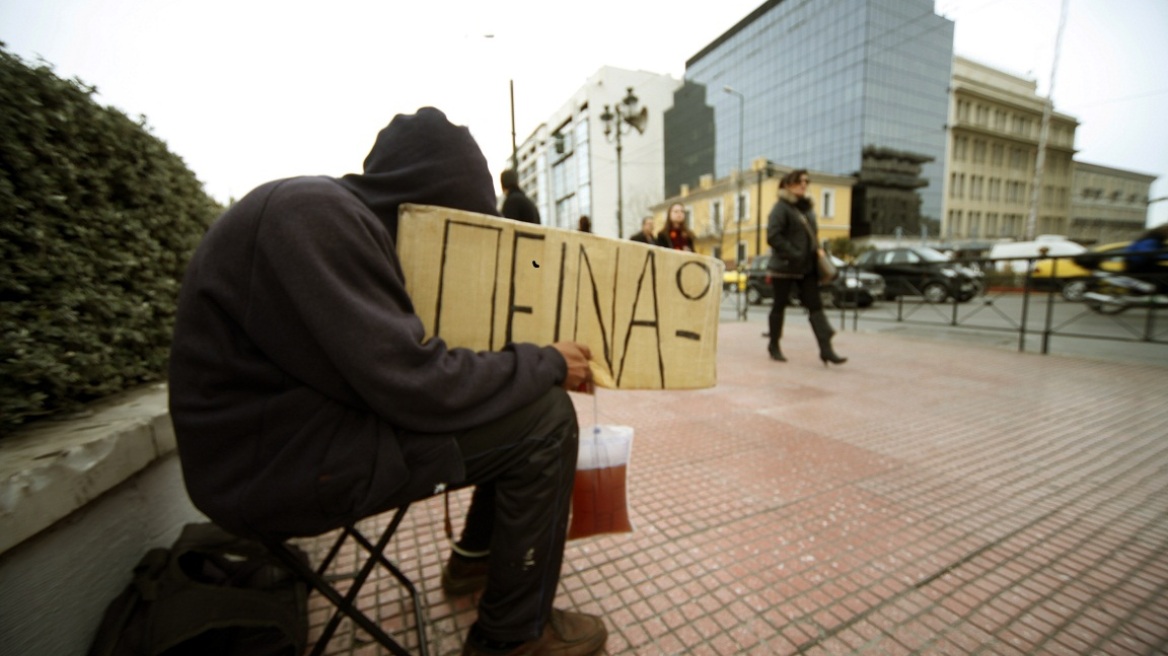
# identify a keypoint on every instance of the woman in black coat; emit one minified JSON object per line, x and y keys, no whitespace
{"x":794,"y":262}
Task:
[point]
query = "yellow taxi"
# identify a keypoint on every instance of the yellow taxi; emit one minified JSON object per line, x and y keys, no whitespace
{"x":732,"y":276}
{"x":1071,"y":278}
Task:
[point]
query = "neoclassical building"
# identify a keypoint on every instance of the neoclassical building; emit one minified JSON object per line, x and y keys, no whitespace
{"x":1108,"y":204}
{"x":995,"y":120}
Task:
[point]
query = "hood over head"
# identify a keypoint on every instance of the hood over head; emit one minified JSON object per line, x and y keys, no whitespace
{"x":423,"y":158}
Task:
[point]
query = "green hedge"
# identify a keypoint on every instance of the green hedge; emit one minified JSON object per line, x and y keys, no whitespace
{"x":97,"y":221}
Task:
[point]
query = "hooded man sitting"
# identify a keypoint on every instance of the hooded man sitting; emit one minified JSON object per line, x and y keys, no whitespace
{"x":305,"y":396}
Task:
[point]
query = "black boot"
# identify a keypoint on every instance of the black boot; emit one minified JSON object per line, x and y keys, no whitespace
{"x":823,"y":334}
{"x":776,"y":326}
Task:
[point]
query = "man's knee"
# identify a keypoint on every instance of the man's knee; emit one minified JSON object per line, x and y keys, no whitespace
{"x":557,"y":410}
{"x":560,"y":405}
{"x":546,"y":425}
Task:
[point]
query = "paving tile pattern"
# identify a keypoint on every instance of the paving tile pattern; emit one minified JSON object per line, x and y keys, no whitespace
{"x":925,"y":498}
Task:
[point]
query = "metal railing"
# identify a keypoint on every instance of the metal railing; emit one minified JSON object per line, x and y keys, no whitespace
{"x":1023,"y":304}
{"x":1026,"y":305}
{"x":1029,"y":306}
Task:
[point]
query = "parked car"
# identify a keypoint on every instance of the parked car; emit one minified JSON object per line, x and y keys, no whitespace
{"x":855,"y":286}
{"x":852,"y":287}
{"x":758,"y":281}
{"x":922,"y":271}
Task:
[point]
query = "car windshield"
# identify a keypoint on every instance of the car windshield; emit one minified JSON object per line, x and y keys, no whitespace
{"x":931,"y":255}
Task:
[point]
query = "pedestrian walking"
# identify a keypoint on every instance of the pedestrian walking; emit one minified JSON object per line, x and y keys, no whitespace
{"x":792,"y":234}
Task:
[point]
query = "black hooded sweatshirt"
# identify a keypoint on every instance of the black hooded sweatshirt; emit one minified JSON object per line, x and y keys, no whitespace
{"x":297,"y":357}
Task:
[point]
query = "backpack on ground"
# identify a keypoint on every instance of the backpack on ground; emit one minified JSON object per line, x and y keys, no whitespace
{"x":210,"y":593}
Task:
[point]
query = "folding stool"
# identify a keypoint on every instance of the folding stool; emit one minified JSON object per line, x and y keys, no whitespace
{"x":344,"y":604}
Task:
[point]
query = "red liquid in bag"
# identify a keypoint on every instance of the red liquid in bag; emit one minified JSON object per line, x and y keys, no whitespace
{"x":598,"y":502}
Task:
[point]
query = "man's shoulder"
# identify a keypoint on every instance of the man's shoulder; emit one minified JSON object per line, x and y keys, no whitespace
{"x":310,"y":186}
{"x":296,"y":189}
{"x":289,"y":201}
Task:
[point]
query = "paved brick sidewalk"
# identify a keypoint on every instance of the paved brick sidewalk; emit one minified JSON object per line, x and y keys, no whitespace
{"x":926,"y":497}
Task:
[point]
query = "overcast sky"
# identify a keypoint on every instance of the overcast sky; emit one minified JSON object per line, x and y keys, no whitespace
{"x":251,"y":90}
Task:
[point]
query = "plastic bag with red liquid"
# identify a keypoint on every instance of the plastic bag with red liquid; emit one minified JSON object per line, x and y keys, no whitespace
{"x":600,"y":497}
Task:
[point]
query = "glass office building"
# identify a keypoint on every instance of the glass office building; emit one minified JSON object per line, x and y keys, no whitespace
{"x":820,"y":80}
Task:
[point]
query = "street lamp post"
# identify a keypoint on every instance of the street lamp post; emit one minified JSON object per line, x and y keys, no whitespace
{"x":626,"y":117}
{"x":742,"y":309}
{"x":768,"y":170}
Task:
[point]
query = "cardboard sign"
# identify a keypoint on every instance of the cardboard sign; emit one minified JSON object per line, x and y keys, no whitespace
{"x":649,"y":314}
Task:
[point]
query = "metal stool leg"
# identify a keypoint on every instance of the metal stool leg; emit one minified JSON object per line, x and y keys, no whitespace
{"x":344,"y":604}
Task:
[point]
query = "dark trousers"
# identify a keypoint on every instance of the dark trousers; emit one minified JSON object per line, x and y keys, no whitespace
{"x":808,"y":289}
{"x":523,"y":467}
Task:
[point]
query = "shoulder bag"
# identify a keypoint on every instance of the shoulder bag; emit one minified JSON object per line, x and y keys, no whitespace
{"x":827,"y":270}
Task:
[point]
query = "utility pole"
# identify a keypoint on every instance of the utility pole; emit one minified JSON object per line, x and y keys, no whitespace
{"x":1044,"y":132}
{"x":514,"y":148}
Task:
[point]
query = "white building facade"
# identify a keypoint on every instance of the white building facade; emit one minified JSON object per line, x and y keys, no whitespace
{"x":568,"y":166}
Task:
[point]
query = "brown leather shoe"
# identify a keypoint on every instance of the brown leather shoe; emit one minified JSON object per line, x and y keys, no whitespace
{"x":463,"y":576}
{"x":566,"y":634}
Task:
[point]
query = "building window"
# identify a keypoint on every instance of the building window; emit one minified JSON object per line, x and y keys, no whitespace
{"x":1016,"y":159}
{"x":715,"y":215}
{"x":742,"y":206}
{"x":1012,"y":226}
{"x":962,"y":110}
{"x":827,"y":207}
{"x":959,"y":146}
{"x":1015,"y":191}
